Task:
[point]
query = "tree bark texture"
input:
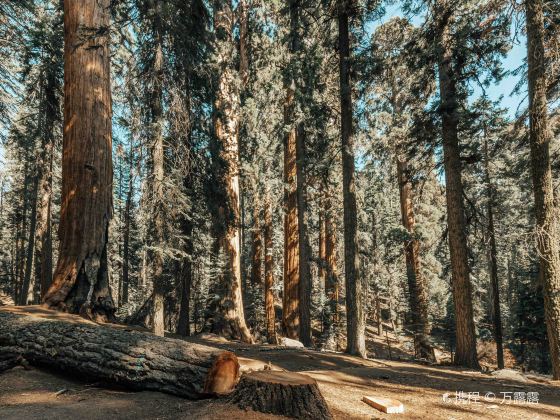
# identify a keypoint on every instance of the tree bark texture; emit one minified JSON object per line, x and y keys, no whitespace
{"x":26,"y":292}
{"x":43,"y":246}
{"x":269,"y":274}
{"x":184,"y":325}
{"x":157,"y":198}
{"x":114,"y":354}
{"x":466,"y":354}
{"x":304,"y":247}
{"x":417,"y":293}
{"x":229,"y":318}
{"x":81,"y":281}
{"x":493,"y":261}
{"x":545,"y":211}
{"x":257,"y":248}
{"x":290,"y":297}
{"x":291,"y":312}
{"x":355,"y":316}
{"x":331,"y":278}
{"x":283,"y":393}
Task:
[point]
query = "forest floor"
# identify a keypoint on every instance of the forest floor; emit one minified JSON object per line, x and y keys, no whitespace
{"x":343,"y":381}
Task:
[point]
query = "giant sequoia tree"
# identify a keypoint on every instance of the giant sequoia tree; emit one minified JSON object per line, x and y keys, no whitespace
{"x":546,"y":213}
{"x":228,"y":318}
{"x":80,"y":281}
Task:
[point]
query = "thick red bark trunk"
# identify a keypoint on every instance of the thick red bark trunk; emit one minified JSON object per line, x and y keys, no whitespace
{"x":80,"y":280}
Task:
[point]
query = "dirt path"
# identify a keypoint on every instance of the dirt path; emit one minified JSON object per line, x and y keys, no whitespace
{"x":343,"y":380}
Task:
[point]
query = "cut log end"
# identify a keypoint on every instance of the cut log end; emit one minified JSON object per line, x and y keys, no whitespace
{"x":223,"y":375}
{"x":284,"y":393}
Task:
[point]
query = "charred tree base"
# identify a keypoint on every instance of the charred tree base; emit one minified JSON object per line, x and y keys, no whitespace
{"x":284,"y":393}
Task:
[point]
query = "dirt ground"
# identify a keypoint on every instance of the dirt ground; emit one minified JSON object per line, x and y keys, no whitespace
{"x":343,"y":381}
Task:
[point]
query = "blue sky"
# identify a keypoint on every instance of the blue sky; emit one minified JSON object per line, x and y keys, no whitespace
{"x":500,"y":91}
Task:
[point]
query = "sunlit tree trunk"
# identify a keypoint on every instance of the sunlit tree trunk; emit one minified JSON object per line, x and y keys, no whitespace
{"x":466,"y":354}
{"x":257,"y":247}
{"x":269,"y":274}
{"x":81,"y":280}
{"x":546,"y":213}
{"x":417,"y":293}
{"x":304,"y":247}
{"x":229,"y":320}
{"x":290,"y":301}
{"x":157,"y":160}
{"x":355,"y":316}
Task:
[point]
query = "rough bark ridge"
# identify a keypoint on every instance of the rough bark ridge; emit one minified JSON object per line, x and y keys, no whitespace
{"x":355,"y":316}
{"x":284,"y":393}
{"x":547,"y":219}
{"x":229,"y":319}
{"x":461,"y":285}
{"x":80,"y":281}
{"x":115,"y":355}
{"x":417,"y":293}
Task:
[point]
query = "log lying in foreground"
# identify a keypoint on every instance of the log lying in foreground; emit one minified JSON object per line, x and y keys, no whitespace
{"x":285,"y":393}
{"x":114,"y":354}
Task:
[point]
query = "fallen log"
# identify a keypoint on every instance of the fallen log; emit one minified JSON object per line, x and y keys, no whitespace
{"x":114,"y":354}
{"x":285,"y":393}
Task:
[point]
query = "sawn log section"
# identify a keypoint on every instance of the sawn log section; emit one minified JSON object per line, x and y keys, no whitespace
{"x":114,"y":354}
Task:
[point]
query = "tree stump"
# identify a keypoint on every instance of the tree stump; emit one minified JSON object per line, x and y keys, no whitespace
{"x":285,"y":393}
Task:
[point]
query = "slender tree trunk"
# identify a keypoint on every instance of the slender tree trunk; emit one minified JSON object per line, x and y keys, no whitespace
{"x":269,"y":274}
{"x":304,"y":247}
{"x":257,"y":247}
{"x":126,"y":236}
{"x":291,"y":299}
{"x":21,"y":230}
{"x":229,"y":319}
{"x":417,"y":293}
{"x":493,"y":261}
{"x":157,"y":178}
{"x":322,"y":250}
{"x":546,"y":217}
{"x":461,"y":285}
{"x":184,"y":324}
{"x":81,"y":281}
{"x":26,"y":294}
{"x":43,"y":241}
{"x":43,"y":248}
{"x":355,"y":318}
{"x":331,"y":285}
